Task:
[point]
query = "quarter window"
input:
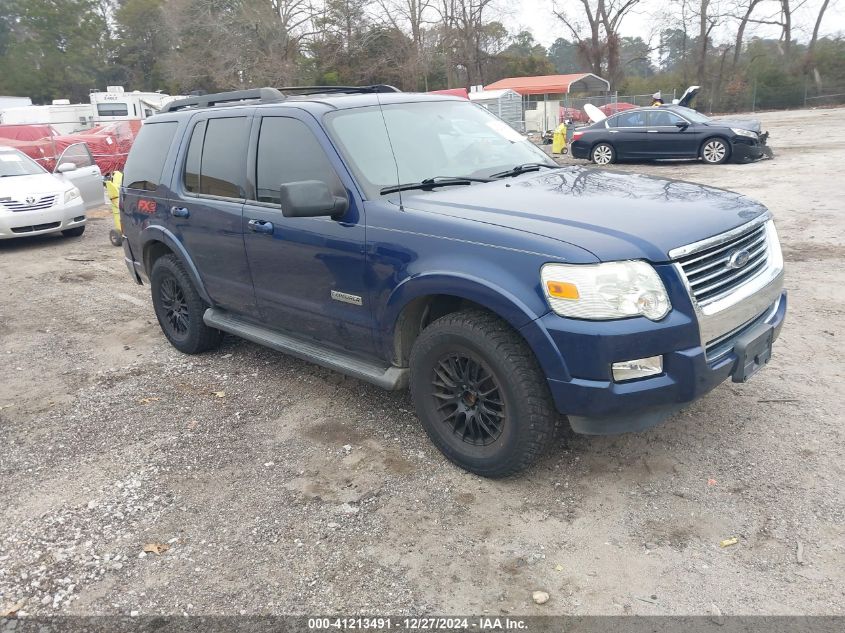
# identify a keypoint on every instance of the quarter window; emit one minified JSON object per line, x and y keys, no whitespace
{"x":289,"y":152}
{"x":146,"y":160}
{"x":191,"y":178}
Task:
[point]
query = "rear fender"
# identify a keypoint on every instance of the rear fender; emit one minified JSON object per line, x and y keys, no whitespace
{"x":157,"y":233}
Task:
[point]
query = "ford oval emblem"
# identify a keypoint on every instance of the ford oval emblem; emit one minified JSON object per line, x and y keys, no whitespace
{"x":739,"y":258}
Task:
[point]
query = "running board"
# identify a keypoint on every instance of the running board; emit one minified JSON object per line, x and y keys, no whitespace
{"x":386,"y":377}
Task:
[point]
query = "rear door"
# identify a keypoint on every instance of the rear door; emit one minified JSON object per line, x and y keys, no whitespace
{"x":666,"y":139}
{"x":629,"y":134}
{"x":86,"y":176}
{"x":207,"y":201}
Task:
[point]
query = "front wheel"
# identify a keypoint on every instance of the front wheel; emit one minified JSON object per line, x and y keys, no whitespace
{"x":179,"y":308}
{"x":715,"y":151}
{"x":115,"y":237}
{"x":480,"y":394}
{"x":603,"y":154}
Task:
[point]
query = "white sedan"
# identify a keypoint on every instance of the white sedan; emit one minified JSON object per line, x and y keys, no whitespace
{"x":33,"y":201}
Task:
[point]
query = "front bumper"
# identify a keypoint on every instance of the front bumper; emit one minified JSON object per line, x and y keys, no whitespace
{"x":602,"y":407}
{"x":57,"y":218}
{"x":746,"y":149}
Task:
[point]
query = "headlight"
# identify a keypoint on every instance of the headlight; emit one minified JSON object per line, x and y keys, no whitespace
{"x":71,"y":194}
{"x":747,"y":133}
{"x":613,"y":290}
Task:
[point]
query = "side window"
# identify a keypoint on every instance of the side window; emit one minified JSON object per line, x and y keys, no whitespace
{"x":146,"y":158}
{"x":631,"y":119}
{"x":222,"y":165}
{"x":112,"y":109}
{"x":77,"y":154}
{"x":191,"y":178}
{"x":663,"y":118}
{"x":289,"y":152}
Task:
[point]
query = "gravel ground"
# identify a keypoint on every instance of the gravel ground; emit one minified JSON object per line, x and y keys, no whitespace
{"x":269,"y":485}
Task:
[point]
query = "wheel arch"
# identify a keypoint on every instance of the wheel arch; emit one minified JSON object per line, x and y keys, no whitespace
{"x":721,"y":137}
{"x":420,"y":300}
{"x":157,"y":241}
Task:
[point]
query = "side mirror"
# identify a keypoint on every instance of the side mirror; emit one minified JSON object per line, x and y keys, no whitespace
{"x":310,"y":199}
{"x":683,"y":125}
{"x":63,"y":168}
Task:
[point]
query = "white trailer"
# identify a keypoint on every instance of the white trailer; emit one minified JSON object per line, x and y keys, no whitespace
{"x":63,"y":116}
{"x":115,"y":104}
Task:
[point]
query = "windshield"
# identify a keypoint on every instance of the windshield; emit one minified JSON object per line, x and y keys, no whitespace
{"x":14,"y":163}
{"x":692,"y":115}
{"x":430,"y":139}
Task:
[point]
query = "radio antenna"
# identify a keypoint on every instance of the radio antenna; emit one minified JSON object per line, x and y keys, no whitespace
{"x":392,"y":151}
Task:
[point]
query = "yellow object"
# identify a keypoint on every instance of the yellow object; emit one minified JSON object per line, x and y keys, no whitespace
{"x":113,"y":191}
{"x":728,"y":542}
{"x":559,"y":140}
{"x":562,"y":290}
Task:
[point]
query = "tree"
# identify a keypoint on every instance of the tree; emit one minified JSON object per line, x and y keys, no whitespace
{"x":564,"y":55}
{"x":142,"y":44}
{"x":51,"y":48}
{"x":599,"y":43}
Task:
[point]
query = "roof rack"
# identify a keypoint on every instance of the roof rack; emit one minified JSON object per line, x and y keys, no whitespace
{"x":262,"y":95}
{"x":307,"y":90}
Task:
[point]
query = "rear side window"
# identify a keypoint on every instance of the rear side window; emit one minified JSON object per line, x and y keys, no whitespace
{"x":289,"y":152}
{"x":146,"y":159}
{"x":631,"y":119}
{"x":222,"y":165}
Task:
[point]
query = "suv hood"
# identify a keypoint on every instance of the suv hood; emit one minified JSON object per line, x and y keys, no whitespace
{"x":613,"y":215}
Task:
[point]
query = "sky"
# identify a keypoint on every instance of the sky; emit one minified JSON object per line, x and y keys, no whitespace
{"x":537,"y":17}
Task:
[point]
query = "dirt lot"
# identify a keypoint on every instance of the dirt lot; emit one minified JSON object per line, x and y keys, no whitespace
{"x":281,"y":487}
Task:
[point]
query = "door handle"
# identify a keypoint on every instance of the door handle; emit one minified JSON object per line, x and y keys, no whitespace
{"x":653,"y":131}
{"x":179,"y":212}
{"x":260,"y":226}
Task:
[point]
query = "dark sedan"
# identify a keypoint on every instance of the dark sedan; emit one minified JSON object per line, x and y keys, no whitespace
{"x":668,"y":132}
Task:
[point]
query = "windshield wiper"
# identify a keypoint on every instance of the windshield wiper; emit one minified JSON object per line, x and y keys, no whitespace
{"x":436,"y":181}
{"x":521,"y":169}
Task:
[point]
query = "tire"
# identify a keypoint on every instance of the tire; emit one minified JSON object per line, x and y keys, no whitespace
{"x":603,"y":154}
{"x":115,"y":237}
{"x":76,"y":231}
{"x":715,"y":151}
{"x":504,"y":419}
{"x":179,"y":308}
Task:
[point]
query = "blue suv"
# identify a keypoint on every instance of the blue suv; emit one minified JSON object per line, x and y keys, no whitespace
{"x":418,"y":240}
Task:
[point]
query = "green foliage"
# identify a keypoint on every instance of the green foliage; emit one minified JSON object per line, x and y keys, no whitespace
{"x":51,"y":48}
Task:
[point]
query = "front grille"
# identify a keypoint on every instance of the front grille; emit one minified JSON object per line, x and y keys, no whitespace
{"x":707,"y":271}
{"x":17,"y":205}
{"x":36,"y":227}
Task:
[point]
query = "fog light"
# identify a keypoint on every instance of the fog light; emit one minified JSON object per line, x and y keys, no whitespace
{"x":638,"y":368}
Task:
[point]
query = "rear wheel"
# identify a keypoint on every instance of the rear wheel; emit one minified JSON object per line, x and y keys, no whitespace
{"x":715,"y":151}
{"x":76,"y":231}
{"x":115,"y":237}
{"x":179,"y":308}
{"x":603,"y":154}
{"x":480,"y":394}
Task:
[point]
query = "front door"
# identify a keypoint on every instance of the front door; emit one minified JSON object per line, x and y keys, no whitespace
{"x":85,"y":176}
{"x":308,"y":273}
{"x":206,"y":206}
{"x":667,"y":139}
